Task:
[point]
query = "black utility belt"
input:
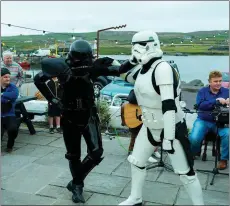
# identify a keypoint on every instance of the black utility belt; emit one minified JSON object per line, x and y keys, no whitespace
{"x":78,"y":104}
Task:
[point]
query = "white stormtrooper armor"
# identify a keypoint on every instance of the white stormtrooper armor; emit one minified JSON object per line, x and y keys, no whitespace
{"x":161,"y":111}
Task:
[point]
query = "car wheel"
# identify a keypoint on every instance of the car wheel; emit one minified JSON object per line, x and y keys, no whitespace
{"x":97,"y":88}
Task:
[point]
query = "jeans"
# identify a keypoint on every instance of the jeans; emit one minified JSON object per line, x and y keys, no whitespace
{"x":201,"y":128}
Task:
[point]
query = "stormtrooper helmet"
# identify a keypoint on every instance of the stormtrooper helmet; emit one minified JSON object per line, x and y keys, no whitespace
{"x":145,"y":46}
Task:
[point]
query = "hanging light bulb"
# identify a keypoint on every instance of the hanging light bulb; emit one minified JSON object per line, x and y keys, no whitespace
{"x":44,"y":32}
{"x":116,"y":42}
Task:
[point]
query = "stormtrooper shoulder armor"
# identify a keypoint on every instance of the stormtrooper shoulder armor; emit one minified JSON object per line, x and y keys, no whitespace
{"x":163,"y":74}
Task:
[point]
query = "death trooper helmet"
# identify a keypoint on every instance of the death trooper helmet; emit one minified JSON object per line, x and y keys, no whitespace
{"x":80,"y":54}
{"x":145,"y":46}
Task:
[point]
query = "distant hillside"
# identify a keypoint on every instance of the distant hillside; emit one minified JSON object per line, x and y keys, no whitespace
{"x":114,"y":35}
{"x":172,"y":41}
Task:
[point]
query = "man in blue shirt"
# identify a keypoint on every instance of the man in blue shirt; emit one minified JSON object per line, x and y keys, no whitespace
{"x":9,"y":94}
{"x":207,"y":98}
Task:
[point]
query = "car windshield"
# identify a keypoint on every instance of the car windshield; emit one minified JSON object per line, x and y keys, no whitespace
{"x":225,"y":77}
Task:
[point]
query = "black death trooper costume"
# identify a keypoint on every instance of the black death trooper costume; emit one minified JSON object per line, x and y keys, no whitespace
{"x":157,"y":92}
{"x":79,"y":114}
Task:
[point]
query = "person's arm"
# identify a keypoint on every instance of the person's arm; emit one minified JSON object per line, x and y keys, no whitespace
{"x":164,"y":79}
{"x":20,"y":77}
{"x":109,"y":67}
{"x":202,"y":103}
{"x":10,"y":95}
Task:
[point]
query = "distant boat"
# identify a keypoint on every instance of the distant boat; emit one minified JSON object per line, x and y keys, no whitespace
{"x":181,"y":54}
{"x":25,"y":65}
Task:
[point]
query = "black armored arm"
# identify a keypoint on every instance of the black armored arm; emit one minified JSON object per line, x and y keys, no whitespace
{"x":52,"y":67}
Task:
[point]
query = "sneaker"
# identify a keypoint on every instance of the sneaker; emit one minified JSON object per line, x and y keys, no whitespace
{"x":59,"y":130}
{"x":51,"y":130}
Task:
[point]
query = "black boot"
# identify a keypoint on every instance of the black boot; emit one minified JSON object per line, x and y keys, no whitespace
{"x":77,"y":191}
{"x":76,"y":185}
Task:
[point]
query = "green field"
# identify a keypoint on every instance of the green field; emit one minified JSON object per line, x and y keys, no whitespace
{"x":201,"y":41}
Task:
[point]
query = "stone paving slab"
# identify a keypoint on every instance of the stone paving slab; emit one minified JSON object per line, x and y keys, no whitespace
{"x":20,"y":198}
{"x":11,"y":163}
{"x":210,"y":198}
{"x":124,"y":170}
{"x":60,"y":193}
{"x":151,"y":203}
{"x":172,"y":178}
{"x":101,"y":199}
{"x":35,"y":139}
{"x":55,"y":158}
{"x":109,"y":164}
{"x":221,"y":183}
{"x":156,"y":192}
{"x":99,"y":183}
{"x":35,"y":157}
{"x":34,"y":150}
{"x":106,"y":184}
{"x":17,"y":146}
{"x":31,"y":179}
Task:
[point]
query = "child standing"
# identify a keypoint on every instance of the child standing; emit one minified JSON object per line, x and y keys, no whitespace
{"x":54,"y":112}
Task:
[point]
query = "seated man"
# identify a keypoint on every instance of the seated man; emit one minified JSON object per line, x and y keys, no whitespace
{"x":9,"y":94}
{"x":207,"y":98}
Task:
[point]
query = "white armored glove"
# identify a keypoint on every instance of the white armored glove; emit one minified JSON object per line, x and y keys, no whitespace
{"x":167,"y":145}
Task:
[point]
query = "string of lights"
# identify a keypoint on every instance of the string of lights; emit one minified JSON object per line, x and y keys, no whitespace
{"x":32,"y":29}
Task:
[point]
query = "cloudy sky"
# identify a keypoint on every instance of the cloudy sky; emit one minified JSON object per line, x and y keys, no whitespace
{"x":64,"y":16}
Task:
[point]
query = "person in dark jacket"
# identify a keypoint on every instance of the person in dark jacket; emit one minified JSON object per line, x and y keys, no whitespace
{"x":9,"y":94}
{"x":54,"y":112}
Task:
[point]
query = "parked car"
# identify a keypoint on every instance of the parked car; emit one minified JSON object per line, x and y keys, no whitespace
{"x":100,"y":83}
{"x":225,"y":79}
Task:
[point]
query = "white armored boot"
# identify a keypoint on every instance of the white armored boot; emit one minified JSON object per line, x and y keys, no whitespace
{"x":138,"y":180}
{"x":193,"y":188}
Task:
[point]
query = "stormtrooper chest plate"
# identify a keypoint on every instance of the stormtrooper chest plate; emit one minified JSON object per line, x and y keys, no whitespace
{"x":149,"y":100}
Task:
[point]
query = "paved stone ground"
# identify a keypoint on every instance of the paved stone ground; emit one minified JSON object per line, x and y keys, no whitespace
{"x":36,"y":173}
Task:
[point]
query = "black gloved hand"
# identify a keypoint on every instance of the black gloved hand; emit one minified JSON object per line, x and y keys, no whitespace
{"x":103,"y":63}
{"x":57,"y":102}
